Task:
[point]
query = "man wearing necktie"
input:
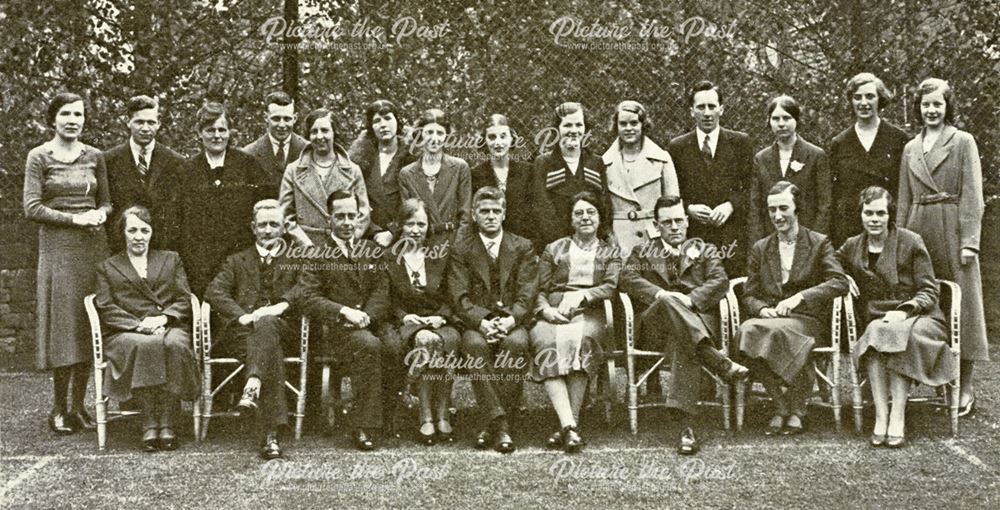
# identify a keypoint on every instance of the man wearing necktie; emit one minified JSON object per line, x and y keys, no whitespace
{"x":348,"y":290}
{"x":492,"y":279}
{"x":676,"y":286}
{"x":253,"y":296}
{"x":279,"y":145}
{"x":714,"y":171}
{"x":144,"y":172}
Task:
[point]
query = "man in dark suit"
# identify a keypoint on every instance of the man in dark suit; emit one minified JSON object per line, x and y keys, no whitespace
{"x":349,"y":291}
{"x":252,"y":295}
{"x":714,"y":170}
{"x":677,"y":285}
{"x":493,"y":284}
{"x":280,"y":144}
{"x":144,"y":172}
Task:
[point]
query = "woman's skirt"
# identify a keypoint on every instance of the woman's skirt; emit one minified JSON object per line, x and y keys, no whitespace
{"x":435,"y":354}
{"x":915,"y":348}
{"x":136,"y":361}
{"x":67,"y":261}
{"x":560,"y":349}
{"x":783,"y":344}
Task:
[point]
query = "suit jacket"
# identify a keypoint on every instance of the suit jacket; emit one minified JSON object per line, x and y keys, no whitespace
{"x":432,"y":299}
{"x":473,"y":296}
{"x":303,"y":195}
{"x":726,"y":178}
{"x":336,"y":281}
{"x":215,"y":210}
{"x":124,"y":299}
{"x":853,"y":169}
{"x":383,"y":190}
{"x":699,"y":275}
{"x":902,"y":279}
{"x":155,"y":191}
{"x":813,"y":179}
{"x":262,"y":150}
{"x":451,"y":201}
{"x":517,"y":193}
{"x":239,"y":287}
{"x":553,"y":275}
{"x":635,"y":193}
{"x":552,"y":189}
{"x":815,"y":273}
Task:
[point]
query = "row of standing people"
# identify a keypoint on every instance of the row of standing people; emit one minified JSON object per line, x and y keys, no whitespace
{"x":710,"y":165}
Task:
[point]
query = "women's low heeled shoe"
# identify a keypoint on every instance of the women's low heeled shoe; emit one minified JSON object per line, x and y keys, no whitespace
{"x":773,"y":428}
{"x":168,"y":440}
{"x":445,"y":437}
{"x":967,"y":409}
{"x":572,"y":442}
{"x":61,"y":424}
{"x":555,"y":441}
{"x":895,"y":441}
{"x":877,"y":440}
{"x":426,"y":439}
{"x":150,"y":440}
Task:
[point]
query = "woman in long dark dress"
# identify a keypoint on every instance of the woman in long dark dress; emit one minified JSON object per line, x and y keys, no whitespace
{"x":424,"y":319}
{"x":510,"y":176}
{"x":144,"y":303}
{"x":905,"y":338}
{"x":941,"y":198}
{"x":792,"y":276}
{"x":576,"y":274}
{"x":381,"y":152}
{"x":66,"y":192}
{"x":220,"y":184}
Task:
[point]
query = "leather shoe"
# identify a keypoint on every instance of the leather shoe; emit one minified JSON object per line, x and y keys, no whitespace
{"x":895,"y":441}
{"x":790,"y":429}
{"x":363,"y":442}
{"x":168,"y":440}
{"x":61,"y":424}
{"x":735,"y":373}
{"x":775,"y":426}
{"x":688,"y":444}
{"x":271,"y":449}
{"x":877,"y":440}
{"x":150,"y":442}
{"x":427,"y":439}
{"x":82,"y":421}
{"x":572,"y":442}
{"x":967,"y":409}
{"x":504,"y":444}
{"x":483,"y":439}
{"x":555,"y":441}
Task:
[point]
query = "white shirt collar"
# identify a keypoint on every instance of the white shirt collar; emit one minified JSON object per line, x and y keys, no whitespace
{"x":264,"y":252}
{"x":136,"y":149}
{"x":215,"y":163}
{"x":275,"y":143}
{"x":496,"y":247}
{"x":713,"y":140}
{"x":140,"y":264}
{"x":415,"y":261}
{"x":342,"y":244}
{"x":670,"y":250}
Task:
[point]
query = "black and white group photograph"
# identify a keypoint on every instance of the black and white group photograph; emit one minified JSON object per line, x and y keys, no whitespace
{"x":451,"y":254}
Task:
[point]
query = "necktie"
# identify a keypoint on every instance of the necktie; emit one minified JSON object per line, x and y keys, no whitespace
{"x":431,"y":181}
{"x":267,"y":259}
{"x":281,"y":152}
{"x":143,"y":164}
{"x":489,"y":250}
{"x":415,"y":279}
{"x":706,"y":149}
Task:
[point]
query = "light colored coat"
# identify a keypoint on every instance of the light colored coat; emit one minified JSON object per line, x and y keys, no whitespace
{"x":634,"y":194}
{"x":303,"y":195}
{"x":941,"y":198}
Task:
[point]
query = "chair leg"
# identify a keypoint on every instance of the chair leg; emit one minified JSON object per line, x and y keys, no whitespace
{"x":633,"y":397}
{"x":741,"y":389}
{"x":726,"y":404}
{"x":206,"y":400}
{"x":610,"y":391}
{"x":100,"y":405}
{"x":835,"y":390}
{"x":300,"y":402}
{"x":196,"y":414}
{"x":858,"y":401}
{"x":953,"y":405}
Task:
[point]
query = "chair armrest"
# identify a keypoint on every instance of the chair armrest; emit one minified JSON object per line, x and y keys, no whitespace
{"x":304,"y":335}
{"x":206,"y":331}
{"x":954,"y":313}
{"x":629,"y":326}
{"x":95,"y":329}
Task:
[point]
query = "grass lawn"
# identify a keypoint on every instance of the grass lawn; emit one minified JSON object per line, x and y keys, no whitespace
{"x":822,"y":468}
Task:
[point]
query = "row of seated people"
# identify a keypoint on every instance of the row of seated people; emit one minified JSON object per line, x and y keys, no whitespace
{"x":505,"y":313}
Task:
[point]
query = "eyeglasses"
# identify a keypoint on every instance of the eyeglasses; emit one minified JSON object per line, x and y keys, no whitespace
{"x":580,"y":213}
{"x":671,"y":221}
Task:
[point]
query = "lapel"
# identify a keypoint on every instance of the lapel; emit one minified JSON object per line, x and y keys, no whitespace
{"x":686,"y":262}
{"x":251,"y":263}
{"x":772,"y":162}
{"x":481,"y":259}
{"x":154,"y":168}
{"x":505,"y":262}
{"x":309,"y":184}
{"x":657,"y":259}
{"x":123,"y":266}
{"x":802,"y":248}
{"x":434,"y":267}
{"x":444,"y":178}
{"x":773,"y":257}
{"x":886,"y":265}
{"x":878,"y":148}
{"x":618,"y":180}
{"x":424,"y":191}
{"x":941,"y":149}
{"x":694,"y":151}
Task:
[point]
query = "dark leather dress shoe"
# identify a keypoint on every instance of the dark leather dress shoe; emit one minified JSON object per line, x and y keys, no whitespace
{"x":168,"y":440}
{"x":82,"y":421}
{"x":150,"y":441}
{"x":504,"y":444}
{"x":483,"y":439}
{"x":271,"y":449}
{"x":248,"y":402}
{"x":555,"y":441}
{"x":877,"y":440}
{"x":61,"y":424}
{"x":363,"y":442}
{"x":688,"y":444}
{"x":572,"y":442}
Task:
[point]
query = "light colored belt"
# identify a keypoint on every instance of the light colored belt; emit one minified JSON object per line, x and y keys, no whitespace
{"x":634,"y":215}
